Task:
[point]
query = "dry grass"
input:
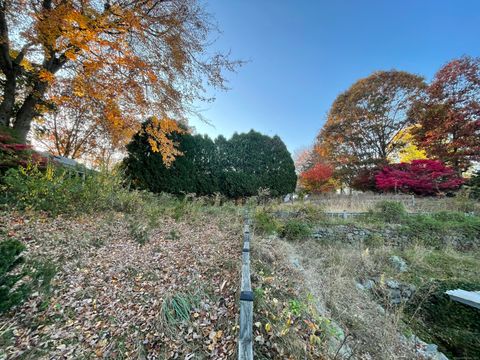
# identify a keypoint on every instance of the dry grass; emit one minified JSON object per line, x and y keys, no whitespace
{"x":364,"y":202}
{"x":331,"y":272}
{"x":282,"y":302}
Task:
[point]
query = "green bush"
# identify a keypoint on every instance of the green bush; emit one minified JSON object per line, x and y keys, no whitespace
{"x":391,"y":211}
{"x":454,"y":327}
{"x":19,"y":278}
{"x":10,"y":259}
{"x":430,"y":228}
{"x":312,"y":214}
{"x":295,"y":230}
{"x":474,"y":186}
{"x":423,"y":228}
{"x":374,"y":240}
{"x":265,"y":223}
{"x":58,"y":190}
{"x":449,"y":216}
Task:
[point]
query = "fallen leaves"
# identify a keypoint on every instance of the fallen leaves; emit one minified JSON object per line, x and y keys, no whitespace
{"x":107,"y":295}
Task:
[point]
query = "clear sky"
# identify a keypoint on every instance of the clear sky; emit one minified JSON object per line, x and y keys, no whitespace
{"x":303,"y":53}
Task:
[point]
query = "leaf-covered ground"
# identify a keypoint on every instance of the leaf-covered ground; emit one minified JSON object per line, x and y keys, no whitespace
{"x":110,"y":295}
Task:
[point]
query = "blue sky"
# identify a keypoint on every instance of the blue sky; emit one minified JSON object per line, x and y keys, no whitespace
{"x":302,"y":54}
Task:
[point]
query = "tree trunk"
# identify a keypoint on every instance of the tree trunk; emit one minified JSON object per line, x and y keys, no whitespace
{"x":26,"y":113}
{"x":6,"y":107}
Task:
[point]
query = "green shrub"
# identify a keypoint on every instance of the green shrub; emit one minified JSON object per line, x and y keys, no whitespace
{"x":423,"y":228}
{"x":474,"y":186}
{"x":311,"y":213}
{"x":374,"y":240}
{"x":454,"y":327}
{"x":19,"y":278}
{"x":265,"y":223}
{"x":10,"y":258}
{"x":58,"y":190}
{"x":391,"y":211}
{"x":295,"y":230}
{"x":430,"y":228}
{"x":449,"y":216}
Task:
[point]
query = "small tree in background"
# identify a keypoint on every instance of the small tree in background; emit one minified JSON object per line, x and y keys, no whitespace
{"x":407,"y":150}
{"x":421,"y":177}
{"x":317,"y":179}
{"x":474,"y":185}
{"x":304,"y":159}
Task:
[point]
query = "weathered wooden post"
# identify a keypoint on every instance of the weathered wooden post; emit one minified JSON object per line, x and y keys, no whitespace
{"x":245,"y":341}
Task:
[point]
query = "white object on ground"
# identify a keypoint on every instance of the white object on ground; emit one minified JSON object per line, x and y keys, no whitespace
{"x":471,"y":298}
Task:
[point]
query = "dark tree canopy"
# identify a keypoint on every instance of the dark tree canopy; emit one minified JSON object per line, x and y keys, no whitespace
{"x":193,"y":172}
{"x":252,"y":161}
{"x":236,"y":168}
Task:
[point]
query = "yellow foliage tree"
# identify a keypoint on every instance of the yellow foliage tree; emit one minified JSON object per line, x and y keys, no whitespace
{"x":407,"y":150}
{"x":131,"y":59}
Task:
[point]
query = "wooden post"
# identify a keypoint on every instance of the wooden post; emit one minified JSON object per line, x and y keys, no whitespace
{"x":245,"y":340}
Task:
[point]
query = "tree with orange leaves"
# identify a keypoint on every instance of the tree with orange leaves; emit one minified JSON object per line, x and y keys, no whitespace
{"x":317,"y":179}
{"x":79,"y":130}
{"x":133,"y":59}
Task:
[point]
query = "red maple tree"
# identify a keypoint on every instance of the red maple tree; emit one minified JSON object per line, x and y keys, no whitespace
{"x":449,"y":115}
{"x":317,"y":179}
{"x":421,"y":177}
{"x":14,"y":154}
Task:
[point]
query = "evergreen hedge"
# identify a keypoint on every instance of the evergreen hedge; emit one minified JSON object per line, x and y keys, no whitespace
{"x":236,"y":168}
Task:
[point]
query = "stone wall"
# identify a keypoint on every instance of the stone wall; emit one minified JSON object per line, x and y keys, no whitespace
{"x":390,"y":235}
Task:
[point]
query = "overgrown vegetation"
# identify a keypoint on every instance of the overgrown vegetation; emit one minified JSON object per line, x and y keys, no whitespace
{"x":295,"y":230}
{"x":58,"y":190}
{"x":287,"y":323}
{"x":437,"y":319}
{"x":17,"y":278}
{"x":10,"y":259}
{"x":265,"y":223}
{"x":390,"y":211}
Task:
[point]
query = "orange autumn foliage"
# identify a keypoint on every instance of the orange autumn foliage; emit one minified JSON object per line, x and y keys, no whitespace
{"x":317,"y":179}
{"x":130,"y":60}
